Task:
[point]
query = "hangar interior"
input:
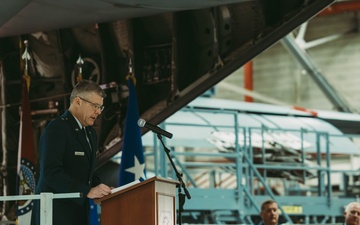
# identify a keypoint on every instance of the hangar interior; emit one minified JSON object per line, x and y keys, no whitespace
{"x":305,"y":163}
{"x":236,"y":161}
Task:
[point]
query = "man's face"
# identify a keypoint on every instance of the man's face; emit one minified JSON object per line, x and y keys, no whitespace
{"x":270,"y":214}
{"x":352,"y":216}
{"x":88,"y":110}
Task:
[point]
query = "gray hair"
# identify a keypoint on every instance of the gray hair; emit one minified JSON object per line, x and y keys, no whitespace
{"x":350,"y":205}
{"x":86,"y":87}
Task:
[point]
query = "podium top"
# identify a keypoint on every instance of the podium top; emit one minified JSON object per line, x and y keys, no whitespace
{"x":136,"y":185}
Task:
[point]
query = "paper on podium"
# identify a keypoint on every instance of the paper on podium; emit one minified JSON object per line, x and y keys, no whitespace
{"x":124,"y":186}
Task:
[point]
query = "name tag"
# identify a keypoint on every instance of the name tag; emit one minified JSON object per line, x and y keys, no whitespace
{"x":80,"y":153}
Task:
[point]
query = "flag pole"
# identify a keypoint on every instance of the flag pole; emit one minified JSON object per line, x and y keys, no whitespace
{"x":26,"y":165}
{"x":80,"y":63}
{"x":3,"y":165}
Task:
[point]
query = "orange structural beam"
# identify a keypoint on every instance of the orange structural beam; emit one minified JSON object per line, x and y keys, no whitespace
{"x":311,"y":112}
{"x":339,"y":7}
{"x":248,"y":80}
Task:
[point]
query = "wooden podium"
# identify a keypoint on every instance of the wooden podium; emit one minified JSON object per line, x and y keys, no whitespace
{"x":151,"y":202}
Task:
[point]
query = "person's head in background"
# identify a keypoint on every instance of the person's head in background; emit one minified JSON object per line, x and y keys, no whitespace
{"x":352,"y":213}
{"x":86,"y":102}
{"x":269,"y":212}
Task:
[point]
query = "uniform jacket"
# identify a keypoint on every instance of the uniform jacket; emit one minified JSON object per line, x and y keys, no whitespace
{"x":66,"y":166}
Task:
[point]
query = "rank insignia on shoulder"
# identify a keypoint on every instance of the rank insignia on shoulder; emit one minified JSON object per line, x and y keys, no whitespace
{"x":80,"y":153}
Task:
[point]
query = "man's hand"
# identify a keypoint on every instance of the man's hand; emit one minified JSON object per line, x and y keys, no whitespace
{"x":99,"y":191}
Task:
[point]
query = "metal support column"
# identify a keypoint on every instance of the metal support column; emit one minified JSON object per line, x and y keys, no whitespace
{"x":304,"y":59}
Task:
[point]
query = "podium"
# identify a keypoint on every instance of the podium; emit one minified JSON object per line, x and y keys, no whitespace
{"x":151,"y":202}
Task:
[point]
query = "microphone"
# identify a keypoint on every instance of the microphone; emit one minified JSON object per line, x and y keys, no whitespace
{"x":154,"y":128}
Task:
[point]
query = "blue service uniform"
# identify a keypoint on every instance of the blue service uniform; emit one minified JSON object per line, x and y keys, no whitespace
{"x":67,"y":165}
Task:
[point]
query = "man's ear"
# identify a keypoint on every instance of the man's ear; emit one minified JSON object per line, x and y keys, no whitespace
{"x":77,"y":101}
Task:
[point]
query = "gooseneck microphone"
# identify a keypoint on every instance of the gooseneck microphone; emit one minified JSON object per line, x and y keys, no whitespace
{"x":154,"y":128}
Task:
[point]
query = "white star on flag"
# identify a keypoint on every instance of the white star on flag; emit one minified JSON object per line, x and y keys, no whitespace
{"x":137,"y":169}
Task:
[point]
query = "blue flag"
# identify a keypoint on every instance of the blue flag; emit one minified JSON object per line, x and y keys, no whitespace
{"x":94,"y":217}
{"x":132,"y":166}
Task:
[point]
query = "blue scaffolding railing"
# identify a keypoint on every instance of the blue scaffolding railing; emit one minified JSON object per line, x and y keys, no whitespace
{"x":239,"y":175}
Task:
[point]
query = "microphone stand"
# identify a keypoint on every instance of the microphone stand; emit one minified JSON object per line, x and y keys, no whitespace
{"x":179,"y":177}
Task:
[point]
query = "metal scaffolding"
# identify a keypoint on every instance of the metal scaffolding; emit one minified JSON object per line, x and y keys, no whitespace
{"x":248,"y":165}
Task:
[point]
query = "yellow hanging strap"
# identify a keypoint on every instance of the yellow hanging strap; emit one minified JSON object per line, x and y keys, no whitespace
{"x":131,"y":76}
{"x":79,"y":78}
{"x":27,"y":80}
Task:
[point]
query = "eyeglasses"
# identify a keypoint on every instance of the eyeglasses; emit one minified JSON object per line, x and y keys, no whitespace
{"x":355,"y":213}
{"x":96,"y":106}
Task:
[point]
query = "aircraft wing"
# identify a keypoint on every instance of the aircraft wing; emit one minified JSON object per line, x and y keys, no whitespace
{"x":29,"y":16}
